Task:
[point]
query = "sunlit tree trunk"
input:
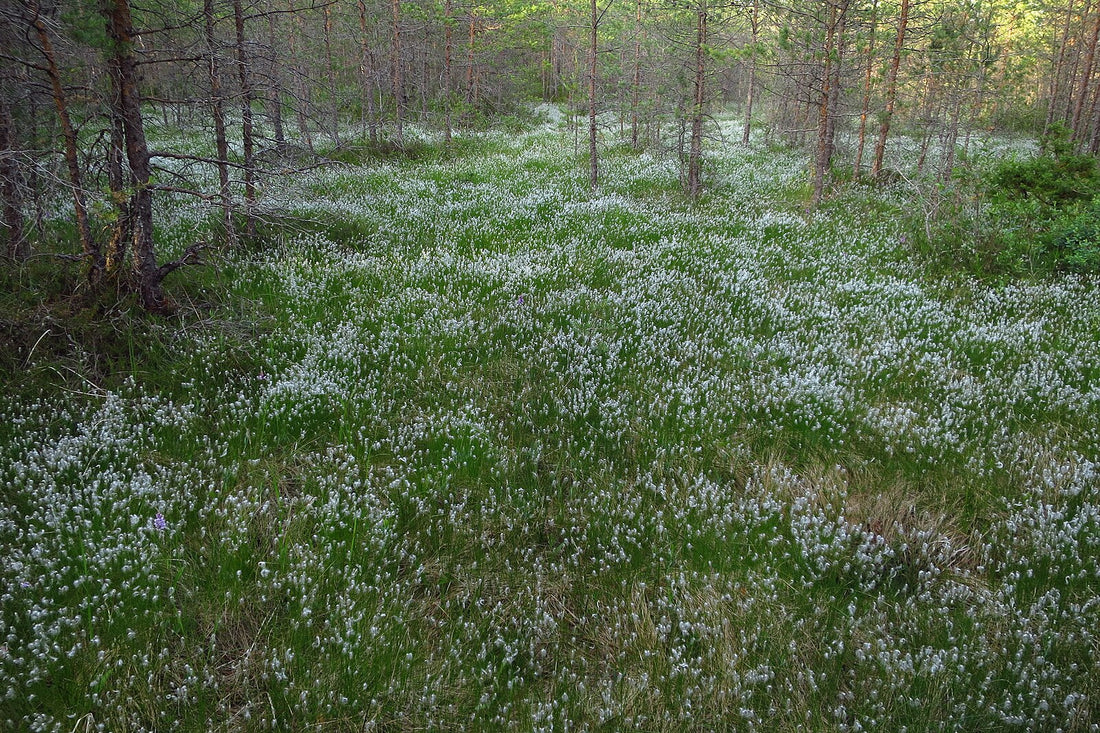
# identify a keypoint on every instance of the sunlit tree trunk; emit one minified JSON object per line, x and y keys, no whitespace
{"x":1086,"y":79}
{"x":865,"y":106}
{"x":891,"y":89}
{"x":1075,"y":53}
{"x":1054,"y":88}
{"x":1094,"y":124}
{"x":750,"y":95}
{"x":695,"y":153}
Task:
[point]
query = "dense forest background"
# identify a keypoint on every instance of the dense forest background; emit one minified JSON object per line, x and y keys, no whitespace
{"x":258,"y":89}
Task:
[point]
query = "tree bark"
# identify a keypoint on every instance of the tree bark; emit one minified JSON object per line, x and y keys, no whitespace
{"x":593,"y":160}
{"x":1058,"y":70}
{"x":448,"y":20}
{"x":636,"y":81}
{"x":695,"y":152}
{"x":147,"y":274}
{"x":275,"y":102}
{"x":823,"y":150}
{"x":367,"y":72}
{"x":334,"y":104}
{"x":951,"y":140}
{"x":93,"y":255}
{"x":122,"y":230}
{"x":1086,"y":79}
{"x":749,"y":97}
{"x":840,"y":45}
{"x":9,"y":184}
{"x":865,"y":106}
{"x":891,"y":89}
{"x":244,"y":73}
{"x":398,"y":76}
{"x":471,"y":65}
{"x":302,"y":95}
{"x":1071,"y":77}
{"x":218,"y":113}
{"x":34,"y":180}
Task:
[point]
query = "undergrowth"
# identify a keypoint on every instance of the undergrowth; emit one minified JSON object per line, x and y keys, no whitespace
{"x":464,"y":445}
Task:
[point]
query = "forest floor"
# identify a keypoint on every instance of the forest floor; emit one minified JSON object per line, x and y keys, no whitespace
{"x":467,"y":446}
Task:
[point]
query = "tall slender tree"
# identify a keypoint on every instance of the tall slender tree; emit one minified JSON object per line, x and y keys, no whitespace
{"x":217,"y":112}
{"x":93,"y":253}
{"x":891,"y":89}
{"x":248,"y":143}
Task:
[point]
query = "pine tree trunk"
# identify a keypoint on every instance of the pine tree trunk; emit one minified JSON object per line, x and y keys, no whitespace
{"x":93,"y":255}
{"x":122,"y":231}
{"x":839,"y":45}
{"x":593,"y":161}
{"x":244,"y":72}
{"x":34,"y":181}
{"x":636,"y":81}
{"x":302,"y":101}
{"x":398,"y":75}
{"x":891,"y":90}
{"x":695,"y":153}
{"x":1071,"y":77}
{"x":334,"y":105}
{"x":470,"y":60}
{"x":1094,"y":124}
{"x":275,"y":103}
{"x":822,"y":151}
{"x":749,"y":97}
{"x":951,"y":141}
{"x":147,"y":274}
{"x":865,"y":106}
{"x":1086,"y":79}
{"x":9,"y":184}
{"x":367,"y":71}
{"x":221,"y":145}
{"x":448,"y":20}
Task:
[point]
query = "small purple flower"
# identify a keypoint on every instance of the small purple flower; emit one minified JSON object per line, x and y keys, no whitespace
{"x":519,"y":300}
{"x":159,"y":522}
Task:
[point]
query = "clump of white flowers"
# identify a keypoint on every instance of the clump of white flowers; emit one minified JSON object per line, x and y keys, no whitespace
{"x":522,"y":456}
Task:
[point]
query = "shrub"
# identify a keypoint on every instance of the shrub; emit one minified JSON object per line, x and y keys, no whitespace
{"x":1016,"y":217}
{"x":1076,"y":240}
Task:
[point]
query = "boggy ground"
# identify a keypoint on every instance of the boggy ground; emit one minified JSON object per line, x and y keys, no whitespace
{"x":492,"y":451}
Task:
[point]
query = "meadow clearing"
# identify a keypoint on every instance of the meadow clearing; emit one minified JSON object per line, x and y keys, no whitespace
{"x":465,"y":446}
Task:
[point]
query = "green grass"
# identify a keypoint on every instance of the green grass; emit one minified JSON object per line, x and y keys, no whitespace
{"x":464,"y":445}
